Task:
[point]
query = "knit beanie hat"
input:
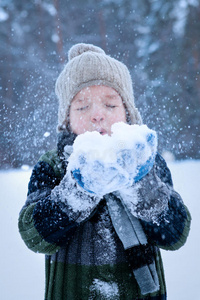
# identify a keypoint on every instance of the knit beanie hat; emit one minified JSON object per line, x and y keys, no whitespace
{"x":88,"y":65}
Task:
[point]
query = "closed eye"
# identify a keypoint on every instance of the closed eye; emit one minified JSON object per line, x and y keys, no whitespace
{"x":111,"y":106}
{"x":82,"y":108}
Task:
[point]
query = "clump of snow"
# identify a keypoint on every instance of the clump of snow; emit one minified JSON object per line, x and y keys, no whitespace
{"x":46,"y":134}
{"x":168,"y":156}
{"x":105,"y":161}
{"x":107,"y":290}
{"x":25,"y":167}
{"x":105,"y":148}
{"x":55,"y":38}
{"x":3,"y":15}
{"x":49,"y":8}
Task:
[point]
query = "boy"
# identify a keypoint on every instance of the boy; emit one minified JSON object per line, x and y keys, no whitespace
{"x":91,"y":251}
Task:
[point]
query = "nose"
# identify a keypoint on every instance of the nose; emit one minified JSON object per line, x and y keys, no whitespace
{"x":97,"y":115}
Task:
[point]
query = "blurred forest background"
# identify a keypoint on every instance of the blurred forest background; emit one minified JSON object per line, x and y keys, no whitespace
{"x":158,"y":40}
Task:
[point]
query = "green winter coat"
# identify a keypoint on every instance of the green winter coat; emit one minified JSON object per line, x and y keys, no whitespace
{"x":84,"y":258}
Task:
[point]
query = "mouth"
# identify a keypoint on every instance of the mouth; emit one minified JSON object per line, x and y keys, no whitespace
{"x":102,"y":131}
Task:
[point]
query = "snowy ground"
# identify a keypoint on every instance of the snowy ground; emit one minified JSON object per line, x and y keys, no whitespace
{"x":22,"y":272}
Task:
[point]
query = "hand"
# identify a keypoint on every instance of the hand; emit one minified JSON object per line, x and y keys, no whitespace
{"x":103,"y":164}
{"x":153,"y":197}
{"x":98,"y":178}
{"x":148,"y":198}
{"x":139,"y":161}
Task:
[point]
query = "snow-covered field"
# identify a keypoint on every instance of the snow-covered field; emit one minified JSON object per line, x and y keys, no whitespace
{"x":22,"y":272}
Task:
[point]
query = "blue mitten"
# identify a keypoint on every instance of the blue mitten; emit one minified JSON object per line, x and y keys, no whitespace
{"x":98,"y":178}
{"x":145,"y":167}
{"x":79,"y":179}
{"x":139,"y":160}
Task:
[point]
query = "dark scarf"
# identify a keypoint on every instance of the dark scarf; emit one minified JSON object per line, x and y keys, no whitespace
{"x":138,"y":251}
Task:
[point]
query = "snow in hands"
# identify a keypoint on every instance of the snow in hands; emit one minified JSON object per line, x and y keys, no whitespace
{"x":102,"y":164}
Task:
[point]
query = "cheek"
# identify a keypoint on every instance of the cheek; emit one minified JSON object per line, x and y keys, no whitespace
{"x":78,"y":124}
{"x":119,"y":116}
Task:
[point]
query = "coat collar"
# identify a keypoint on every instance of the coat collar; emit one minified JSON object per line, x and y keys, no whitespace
{"x":65,"y":141}
{"x":65,"y":138}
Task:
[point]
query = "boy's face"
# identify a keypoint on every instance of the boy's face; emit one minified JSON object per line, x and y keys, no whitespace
{"x":96,"y":108}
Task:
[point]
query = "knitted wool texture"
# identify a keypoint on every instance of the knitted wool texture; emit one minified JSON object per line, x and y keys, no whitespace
{"x":88,"y":65}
